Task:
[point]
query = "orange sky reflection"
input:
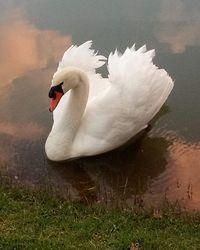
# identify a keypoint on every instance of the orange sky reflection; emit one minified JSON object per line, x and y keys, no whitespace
{"x":24,"y":47}
{"x":179,"y":25}
{"x":181,"y":179}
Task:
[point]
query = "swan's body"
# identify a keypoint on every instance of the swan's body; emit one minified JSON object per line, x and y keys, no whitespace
{"x":100,"y":114}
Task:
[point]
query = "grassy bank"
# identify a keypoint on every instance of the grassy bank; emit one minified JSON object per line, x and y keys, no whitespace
{"x":36,"y":221}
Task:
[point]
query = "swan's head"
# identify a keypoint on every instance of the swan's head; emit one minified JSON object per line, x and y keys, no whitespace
{"x":62,"y":81}
{"x":56,"y":92}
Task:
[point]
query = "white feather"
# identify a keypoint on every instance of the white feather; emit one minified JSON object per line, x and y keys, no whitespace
{"x":118,"y":107}
{"x":82,"y":57}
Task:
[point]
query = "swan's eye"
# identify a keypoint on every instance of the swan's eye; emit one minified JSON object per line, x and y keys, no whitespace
{"x":58,"y":88}
{"x":52,"y":93}
{"x":54,"y":89}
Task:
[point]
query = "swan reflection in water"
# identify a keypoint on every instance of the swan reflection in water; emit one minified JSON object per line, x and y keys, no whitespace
{"x":114,"y":177}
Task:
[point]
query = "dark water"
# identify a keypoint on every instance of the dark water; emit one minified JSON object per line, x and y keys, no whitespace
{"x":165,"y":163}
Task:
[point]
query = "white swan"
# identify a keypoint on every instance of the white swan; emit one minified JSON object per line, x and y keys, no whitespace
{"x":93,"y":115}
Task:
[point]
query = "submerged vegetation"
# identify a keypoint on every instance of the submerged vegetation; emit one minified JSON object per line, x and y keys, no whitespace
{"x":34,"y":220}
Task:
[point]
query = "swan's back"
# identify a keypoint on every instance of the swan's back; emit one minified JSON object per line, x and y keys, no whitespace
{"x":137,"y":91}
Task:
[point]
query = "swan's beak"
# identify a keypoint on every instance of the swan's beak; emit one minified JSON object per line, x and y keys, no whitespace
{"x":55,"y":101}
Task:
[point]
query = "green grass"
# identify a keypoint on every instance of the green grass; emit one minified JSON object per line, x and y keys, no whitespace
{"x":31,"y":220}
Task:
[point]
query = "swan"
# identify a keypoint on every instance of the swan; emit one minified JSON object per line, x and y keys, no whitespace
{"x":92,"y":114}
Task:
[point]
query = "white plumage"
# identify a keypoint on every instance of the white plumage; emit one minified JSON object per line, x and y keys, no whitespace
{"x":82,"y":57}
{"x":117,"y":108}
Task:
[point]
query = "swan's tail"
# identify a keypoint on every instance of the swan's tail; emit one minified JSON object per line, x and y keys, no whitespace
{"x":144,"y":86}
{"x":82,"y":57}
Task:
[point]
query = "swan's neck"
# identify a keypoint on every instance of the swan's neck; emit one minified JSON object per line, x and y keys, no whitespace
{"x":68,"y":119}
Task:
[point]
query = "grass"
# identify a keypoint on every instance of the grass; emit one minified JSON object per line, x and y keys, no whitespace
{"x":34,"y":220}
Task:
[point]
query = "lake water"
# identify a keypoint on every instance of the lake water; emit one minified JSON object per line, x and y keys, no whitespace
{"x":164,"y":166}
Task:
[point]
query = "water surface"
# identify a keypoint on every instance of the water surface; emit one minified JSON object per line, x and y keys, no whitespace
{"x":165,"y":163}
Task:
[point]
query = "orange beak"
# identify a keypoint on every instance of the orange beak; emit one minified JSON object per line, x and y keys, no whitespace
{"x":55,"y":101}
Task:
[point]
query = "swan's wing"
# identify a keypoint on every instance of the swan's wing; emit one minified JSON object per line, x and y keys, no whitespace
{"x":98,"y":84}
{"x":82,"y":57}
{"x":136,"y":92}
{"x":143,"y":85}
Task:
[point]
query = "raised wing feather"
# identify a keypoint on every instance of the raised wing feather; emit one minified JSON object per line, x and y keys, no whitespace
{"x":144,"y":87}
{"x":123,"y":67}
{"x":82,"y":57}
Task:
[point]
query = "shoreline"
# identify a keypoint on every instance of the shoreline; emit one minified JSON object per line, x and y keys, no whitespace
{"x":35,"y":220}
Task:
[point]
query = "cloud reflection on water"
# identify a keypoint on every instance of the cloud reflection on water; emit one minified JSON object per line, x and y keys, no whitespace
{"x":25,"y":48}
{"x":30,"y":131}
{"x":179,"y":25}
{"x":27,"y":57}
{"x":180,"y":181}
